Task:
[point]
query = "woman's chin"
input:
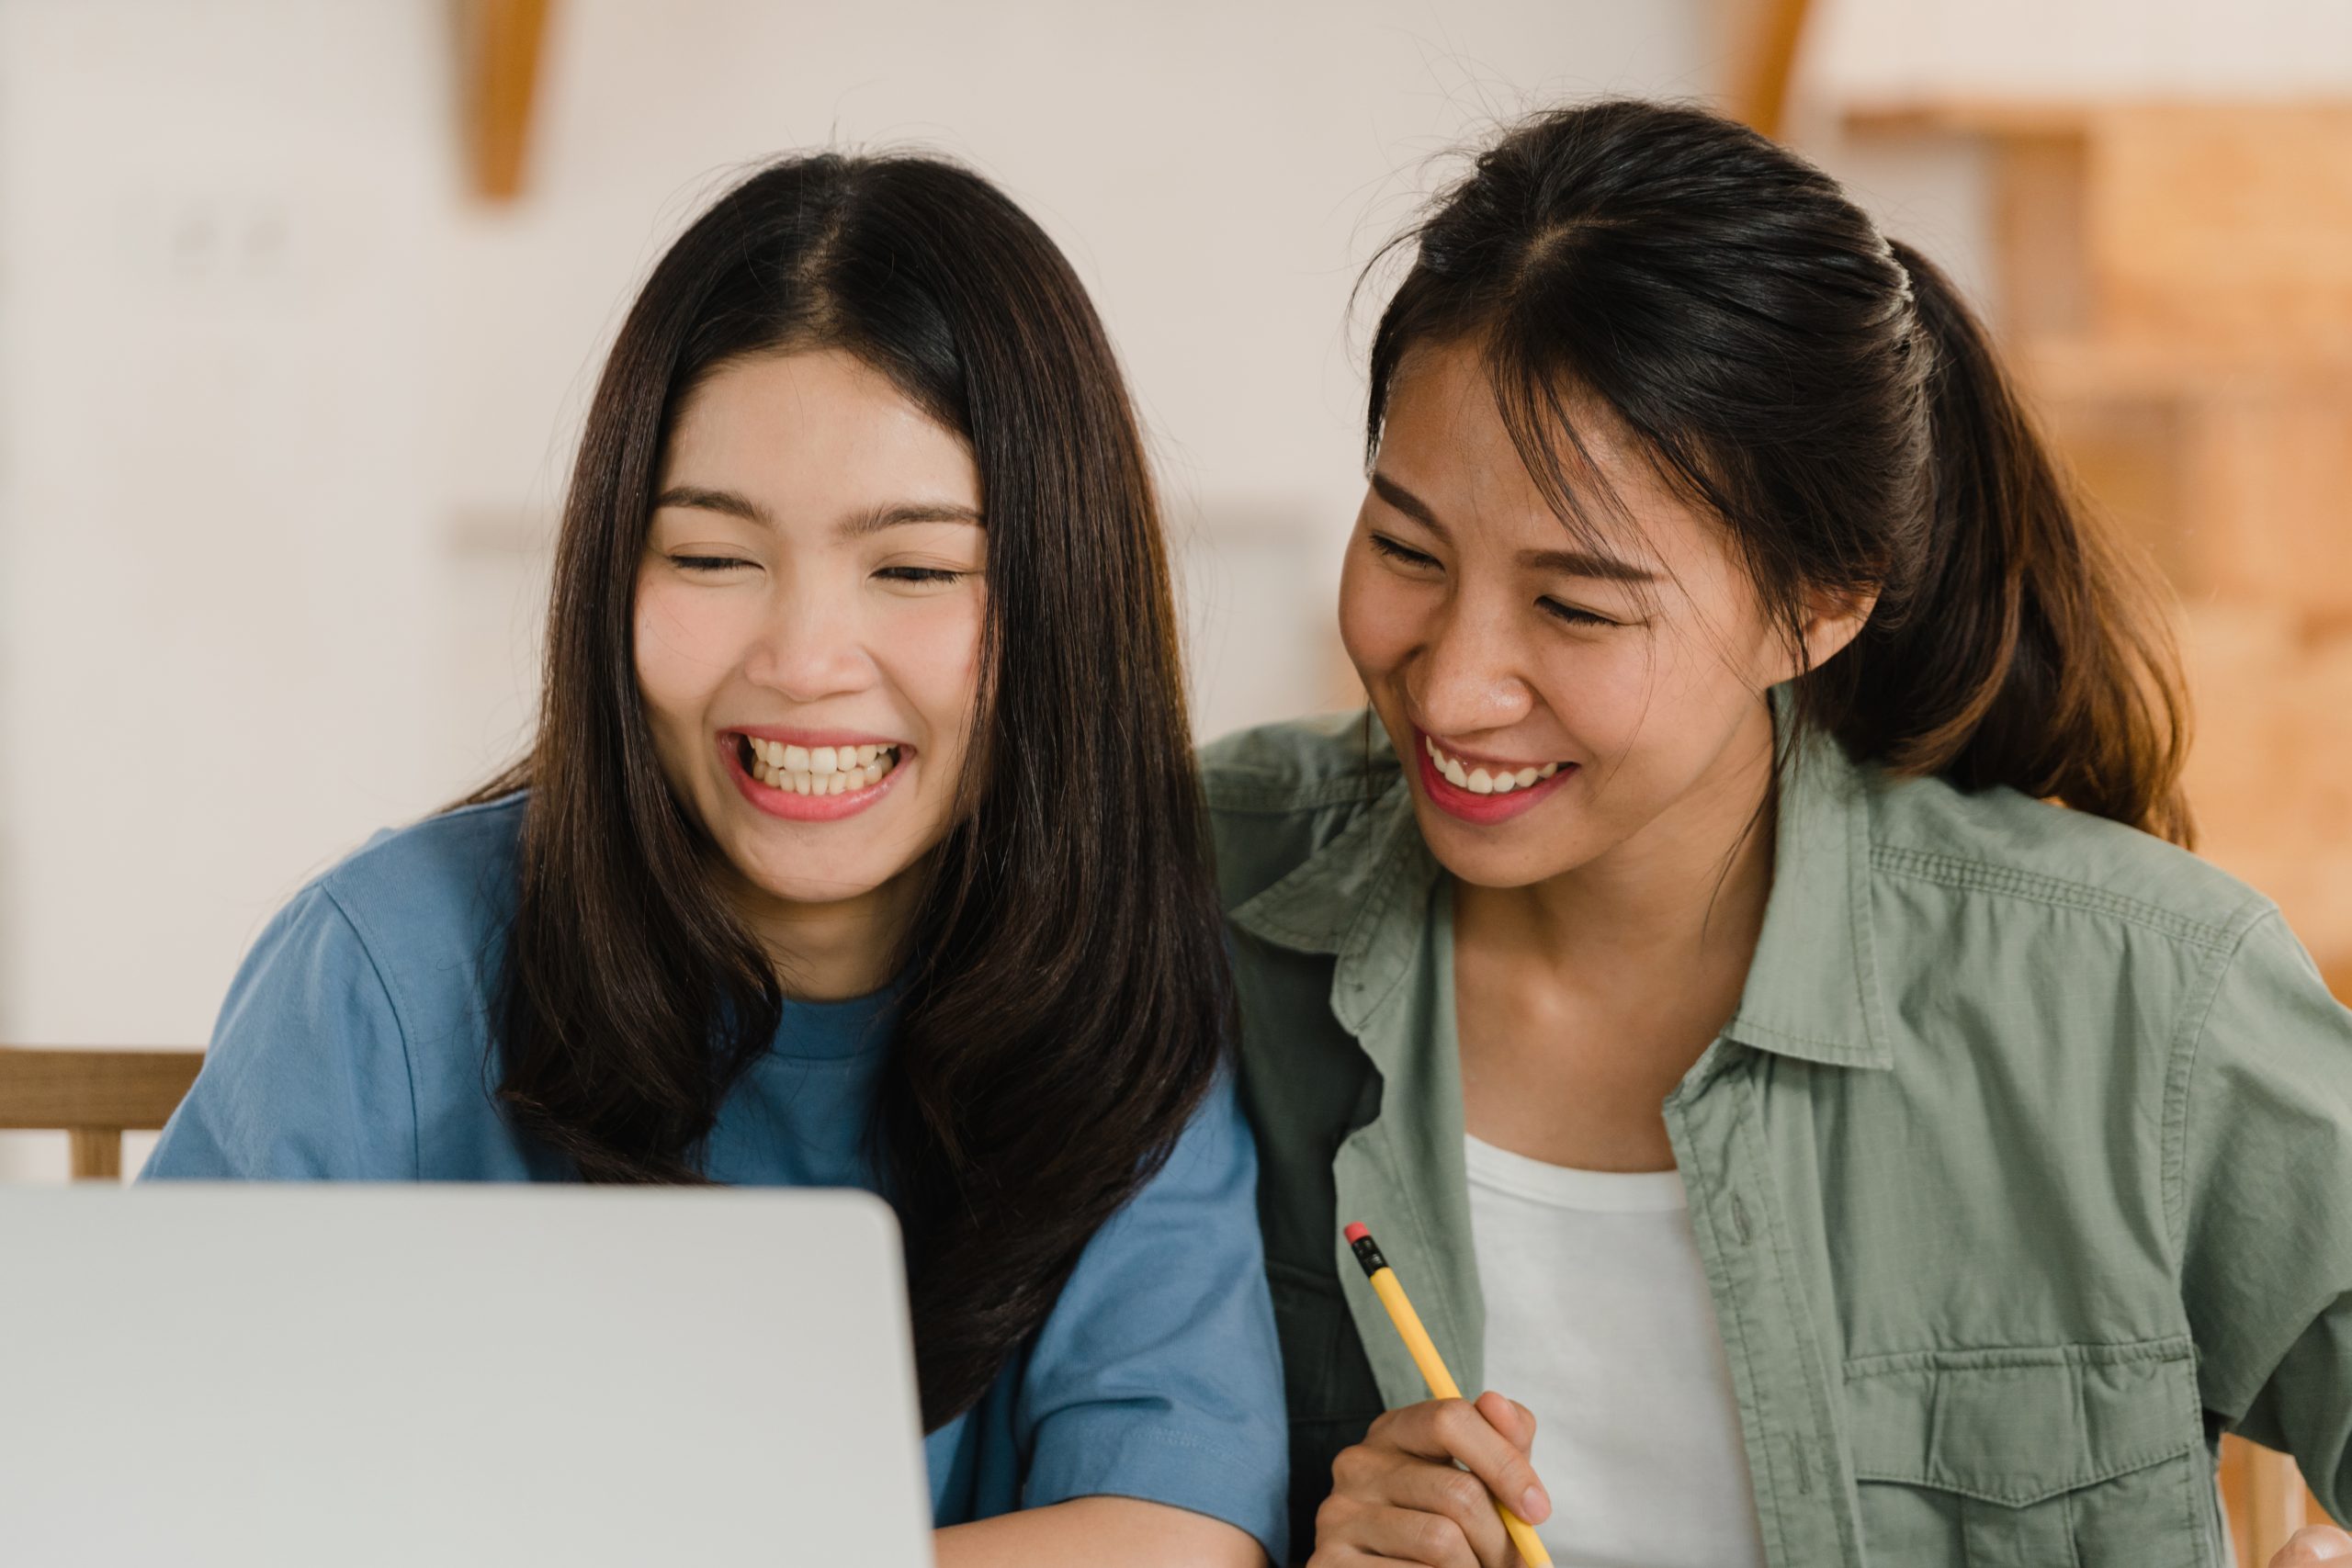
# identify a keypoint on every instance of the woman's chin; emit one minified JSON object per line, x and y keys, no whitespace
{"x":1507,"y":855}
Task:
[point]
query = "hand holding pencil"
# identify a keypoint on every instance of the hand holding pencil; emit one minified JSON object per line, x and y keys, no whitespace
{"x":1424,"y":1484}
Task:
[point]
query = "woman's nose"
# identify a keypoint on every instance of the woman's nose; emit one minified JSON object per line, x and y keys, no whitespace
{"x":1467,"y":677}
{"x":811,"y":648}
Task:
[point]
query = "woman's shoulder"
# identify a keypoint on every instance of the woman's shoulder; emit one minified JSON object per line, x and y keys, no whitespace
{"x":2000,"y":843}
{"x":448,"y":879}
{"x":1279,"y":794}
{"x":351,"y":1041}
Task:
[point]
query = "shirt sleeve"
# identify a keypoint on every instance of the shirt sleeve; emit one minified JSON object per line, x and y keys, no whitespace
{"x":2266,"y":1179}
{"x":307,"y":1075}
{"x":1157,"y":1375}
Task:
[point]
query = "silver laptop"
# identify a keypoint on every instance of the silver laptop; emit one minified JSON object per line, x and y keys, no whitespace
{"x":321,"y":1376}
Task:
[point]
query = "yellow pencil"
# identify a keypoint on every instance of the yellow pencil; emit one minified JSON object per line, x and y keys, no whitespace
{"x":1433,"y":1372}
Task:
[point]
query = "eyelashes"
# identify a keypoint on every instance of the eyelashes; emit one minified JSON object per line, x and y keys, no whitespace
{"x":919,"y":576}
{"x":1567,"y":614}
{"x":1571,"y":616}
{"x":1396,"y":552}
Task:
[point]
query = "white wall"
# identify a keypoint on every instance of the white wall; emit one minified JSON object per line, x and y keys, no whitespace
{"x":283,"y":416}
{"x":216,"y":484}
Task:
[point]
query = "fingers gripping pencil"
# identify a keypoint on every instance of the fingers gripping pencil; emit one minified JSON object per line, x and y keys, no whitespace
{"x":1433,"y":1372}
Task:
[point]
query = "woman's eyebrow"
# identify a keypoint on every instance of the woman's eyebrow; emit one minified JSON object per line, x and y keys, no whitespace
{"x":1405,"y":502}
{"x":1571,"y":563}
{"x":905,"y":511}
{"x":700,"y":499}
{"x":734,"y":503}
{"x":1583,"y":563}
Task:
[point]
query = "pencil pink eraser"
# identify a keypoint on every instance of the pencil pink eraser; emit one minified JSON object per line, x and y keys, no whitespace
{"x":1356,"y":1233}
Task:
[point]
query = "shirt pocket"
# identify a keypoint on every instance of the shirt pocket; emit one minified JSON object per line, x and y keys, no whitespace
{"x":2075,"y":1456}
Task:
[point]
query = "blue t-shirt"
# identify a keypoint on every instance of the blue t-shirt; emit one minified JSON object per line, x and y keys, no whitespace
{"x":353,"y":1046}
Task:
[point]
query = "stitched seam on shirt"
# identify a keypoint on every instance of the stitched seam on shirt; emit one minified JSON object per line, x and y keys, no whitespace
{"x":400,"y":1027}
{"x":2194,"y":1015}
{"x":1784,"y":1260}
{"x":1233,"y":793}
{"x":1288,"y":934}
{"x":2173,"y":1348}
{"x":1845,"y":1050}
{"x":1378,"y":899}
{"x":1735,"y":1332}
{"x":2136,"y":1463}
{"x":1926,"y":865}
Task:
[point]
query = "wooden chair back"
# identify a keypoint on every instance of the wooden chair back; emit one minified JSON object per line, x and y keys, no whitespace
{"x":94,"y":1096}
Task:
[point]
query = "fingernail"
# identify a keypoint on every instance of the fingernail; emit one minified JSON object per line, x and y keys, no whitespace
{"x":1534,"y":1505}
{"x":2319,"y":1545}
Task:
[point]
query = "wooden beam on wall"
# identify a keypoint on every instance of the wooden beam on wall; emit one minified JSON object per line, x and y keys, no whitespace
{"x":499,"y":47}
{"x":1767,"y":33}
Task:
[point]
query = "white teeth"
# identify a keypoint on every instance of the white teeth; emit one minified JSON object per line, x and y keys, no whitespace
{"x":1484,"y":779}
{"x":823,"y":769}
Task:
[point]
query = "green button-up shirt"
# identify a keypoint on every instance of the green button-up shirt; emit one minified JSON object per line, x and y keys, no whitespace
{"x":2022,"y":1173}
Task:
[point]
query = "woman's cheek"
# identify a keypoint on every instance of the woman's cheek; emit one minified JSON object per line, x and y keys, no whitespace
{"x":931,"y":650}
{"x":660,"y":660}
{"x":1375,"y":619}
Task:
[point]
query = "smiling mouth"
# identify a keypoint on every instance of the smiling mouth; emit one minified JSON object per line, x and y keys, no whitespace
{"x":815,"y":770}
{"x":1484,"y":778}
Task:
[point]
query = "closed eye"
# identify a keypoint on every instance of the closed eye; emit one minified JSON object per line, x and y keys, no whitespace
{"x":1399,"y":553}
{"x":1571,"y":614}
{"x":708,"y":563}
{"x":921,"y":574}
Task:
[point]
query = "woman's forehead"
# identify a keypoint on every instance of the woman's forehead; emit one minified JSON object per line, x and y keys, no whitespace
{"x":1450,"y":444}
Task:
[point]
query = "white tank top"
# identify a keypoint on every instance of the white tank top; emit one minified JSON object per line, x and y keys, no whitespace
{"x":1599,"y":1320}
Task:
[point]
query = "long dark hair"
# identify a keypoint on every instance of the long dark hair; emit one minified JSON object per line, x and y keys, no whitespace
{"x":1831,"y":398}
{"x":1068,"y":1001}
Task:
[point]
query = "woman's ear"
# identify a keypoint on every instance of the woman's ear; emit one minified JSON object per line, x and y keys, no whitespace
{"x":1833,"y":618}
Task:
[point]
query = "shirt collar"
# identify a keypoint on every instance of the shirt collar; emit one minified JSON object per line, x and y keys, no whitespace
{"x":1813,"y":989}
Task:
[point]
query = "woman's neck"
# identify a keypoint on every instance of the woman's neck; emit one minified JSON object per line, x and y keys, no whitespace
{"x":1582,"y":1001}
{"x":836,"y":949}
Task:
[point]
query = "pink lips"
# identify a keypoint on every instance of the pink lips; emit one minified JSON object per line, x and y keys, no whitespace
{"x":790,"y":805}
{"x":1483,"y":809}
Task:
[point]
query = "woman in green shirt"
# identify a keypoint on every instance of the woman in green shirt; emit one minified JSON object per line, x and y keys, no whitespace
{"x":1765,"y":870}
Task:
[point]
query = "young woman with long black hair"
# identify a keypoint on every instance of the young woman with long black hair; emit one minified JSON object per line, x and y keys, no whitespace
{"x":1743,"y":967}
{"x":860,"y":844}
